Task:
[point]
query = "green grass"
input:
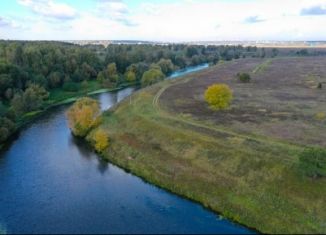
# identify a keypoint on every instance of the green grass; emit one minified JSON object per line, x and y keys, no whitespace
{"x":58,"y":95}
{"x":253,"y":180}
{"x":262,"y":67}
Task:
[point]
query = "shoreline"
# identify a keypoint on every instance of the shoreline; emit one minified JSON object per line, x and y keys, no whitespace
{"x":169,"y":190}
{"x":38,"y":113}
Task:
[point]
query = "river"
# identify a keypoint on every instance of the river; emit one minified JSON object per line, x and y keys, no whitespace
{"x":52,"y":183}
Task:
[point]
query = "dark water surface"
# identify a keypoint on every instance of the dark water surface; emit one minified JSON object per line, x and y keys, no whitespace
{"x":52,"y":183}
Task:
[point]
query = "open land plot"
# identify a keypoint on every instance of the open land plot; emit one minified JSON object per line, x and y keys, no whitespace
{"x":282,"y":100}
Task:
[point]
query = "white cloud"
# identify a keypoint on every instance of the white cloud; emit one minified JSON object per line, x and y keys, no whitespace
{"x":49,"y":8}
{"x":183,"y":20}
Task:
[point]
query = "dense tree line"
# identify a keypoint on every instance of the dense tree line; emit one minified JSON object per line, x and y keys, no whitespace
{"x":29,"y":71}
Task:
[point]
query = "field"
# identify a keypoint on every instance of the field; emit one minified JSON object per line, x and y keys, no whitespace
{"x":242,"y":162}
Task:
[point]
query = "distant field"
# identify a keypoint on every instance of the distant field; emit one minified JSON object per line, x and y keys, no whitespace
{"x":282,"y":101}
{"x":242,"y":162}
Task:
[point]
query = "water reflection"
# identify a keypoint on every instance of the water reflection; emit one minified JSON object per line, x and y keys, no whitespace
{"x":102,"y":166}
{"x":83,"y":148}
{"x":107,"y":100}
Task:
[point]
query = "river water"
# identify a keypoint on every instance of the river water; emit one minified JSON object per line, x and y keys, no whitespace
{"x":52,"y":183}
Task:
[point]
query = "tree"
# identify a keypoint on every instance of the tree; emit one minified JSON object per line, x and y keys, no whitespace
{"x":55,"y":79}
{"x":100,"y":140}
{"x":244,"y":77}
{"x":274,"y":52}
{"x":30,"y":100}
{"x":7,"y":127}
{"x":112,"y":73}
{"x":218,"y":96}
{"x":312,"y":161}
{"x":130,"y":76}
{"x":152,"y":76}
{"x":83,"y":115}
{"x":101,"y":77}
{"x":166,"y":66}
{"x":17,"y":104}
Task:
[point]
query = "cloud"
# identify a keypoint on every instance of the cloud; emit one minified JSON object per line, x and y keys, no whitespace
{"x":182,"y":20}
{"x":253,"y":20}
{"x":8,"y":23}
{"x":115,"y":10}
{"x":50,"y":9}
{"x":4,"y":22}
{"x":314,"y":10}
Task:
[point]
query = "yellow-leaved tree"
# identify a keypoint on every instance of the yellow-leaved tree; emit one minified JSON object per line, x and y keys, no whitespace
{"x":101,"y":140}
{"x":218,"y":96}
{"x":83,"y":115}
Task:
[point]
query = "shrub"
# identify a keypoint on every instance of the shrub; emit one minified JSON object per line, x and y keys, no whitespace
{"x":100,"y":140}
{"x":320,"y":116}
{"x":218,"y":96}
{"x":244,"y":77}
{"x":312,"y":162}
{"x":83,"y":115}
{"x":320,"y":85}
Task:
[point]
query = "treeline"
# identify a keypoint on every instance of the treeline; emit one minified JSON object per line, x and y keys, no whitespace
{"x":29,"y":71}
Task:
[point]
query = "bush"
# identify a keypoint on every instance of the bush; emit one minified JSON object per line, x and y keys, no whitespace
{"x":244,"y":77}
{"x":218,"y":96}
{"x":312,"y":162}
{"x":83,"y":115}
{"x":320,"y":116}
{"x":100,"y":140}
{"x":320,"y":85}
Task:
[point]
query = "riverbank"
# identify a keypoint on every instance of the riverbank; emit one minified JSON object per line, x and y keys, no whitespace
{"x":59,"y":97}
{"x":249,"y":178}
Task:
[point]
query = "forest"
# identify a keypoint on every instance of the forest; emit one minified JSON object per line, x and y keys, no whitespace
{"x":31,"y":72}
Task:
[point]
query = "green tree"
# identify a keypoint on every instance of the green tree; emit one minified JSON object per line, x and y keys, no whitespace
{"x":218,"y":96}
{"x":166,"y":66}
{"x":17,"y":104}
{"x":152,"y":76}
{"x":130,"y":76}
{"x":7,"y":127}
{"x":112,"y":72}
{"x":55,"y":79}
{"x":101,"y":77}
{"x":30,"y":100}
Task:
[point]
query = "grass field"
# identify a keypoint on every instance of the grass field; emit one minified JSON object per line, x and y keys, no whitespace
{"x":242,"y":162}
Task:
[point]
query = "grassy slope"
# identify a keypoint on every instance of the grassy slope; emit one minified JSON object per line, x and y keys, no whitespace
{"x":252,"y":180}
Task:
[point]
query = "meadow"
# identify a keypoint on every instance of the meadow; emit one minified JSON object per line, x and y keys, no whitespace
{"x":242,"y":162}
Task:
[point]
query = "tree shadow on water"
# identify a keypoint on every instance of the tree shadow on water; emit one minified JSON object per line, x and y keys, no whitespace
{"x":102,"y":166}
{"x":87,"y":152}
{"x":82,"y":146}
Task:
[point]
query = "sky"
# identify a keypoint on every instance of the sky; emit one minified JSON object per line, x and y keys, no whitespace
{"x":163,"y":20}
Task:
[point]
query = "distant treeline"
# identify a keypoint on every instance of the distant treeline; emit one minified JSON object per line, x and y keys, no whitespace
{"x":29,"y":71}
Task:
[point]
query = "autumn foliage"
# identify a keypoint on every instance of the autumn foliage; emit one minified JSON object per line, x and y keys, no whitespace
{"x":83,"y":115}
{"x":101,"y":140}
{"x":218,"y":96}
